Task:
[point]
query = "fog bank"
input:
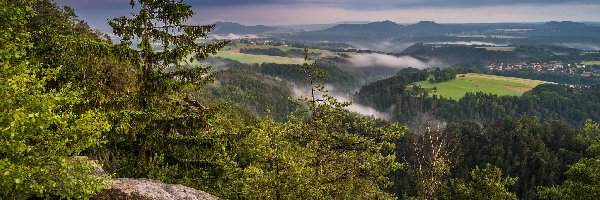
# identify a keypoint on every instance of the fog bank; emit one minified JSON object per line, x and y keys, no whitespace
{"x":472,"y":43}
{"x":584,"y":46}
{"x":304,"y":91}
{"x":382,"y":60}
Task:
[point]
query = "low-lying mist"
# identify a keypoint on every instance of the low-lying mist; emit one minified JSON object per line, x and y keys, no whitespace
{"x":472,"y":43}
{"x":384,"y":46}
{"x":583,"y":46}
{"x":389,"y":61}
{"x":232,"y":36}
{"x":304,"y":91}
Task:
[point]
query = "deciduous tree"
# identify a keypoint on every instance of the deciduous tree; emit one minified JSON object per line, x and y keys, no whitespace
{"x":40,"y":134}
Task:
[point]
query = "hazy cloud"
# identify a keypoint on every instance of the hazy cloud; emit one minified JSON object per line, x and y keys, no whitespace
{"x":387,"y":4}
{"x":278,"y":12}
{"x":471,"y":43}
{"x":584,"y":46}
{"x":382,"y":60}
{"x":353,"y":4}
{"x":302,"y":91}
{"x":232,"y":36}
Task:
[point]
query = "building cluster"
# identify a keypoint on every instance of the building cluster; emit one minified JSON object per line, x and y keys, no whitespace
{"x":552,"y":66}
{"x":264,"y":41}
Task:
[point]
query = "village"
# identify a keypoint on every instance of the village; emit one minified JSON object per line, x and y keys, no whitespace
{"x":551,"y":66}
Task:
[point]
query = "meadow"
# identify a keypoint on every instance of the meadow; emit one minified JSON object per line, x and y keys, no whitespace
{"x":250,"y":59}
{"x":597,"y":62}
{"x":464,"y":83}
{"x":233,"y":52}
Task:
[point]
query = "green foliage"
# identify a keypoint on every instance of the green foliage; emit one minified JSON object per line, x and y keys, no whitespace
{"x":41,"y":135}
{"x":262,"y":95}
{"x":292,"y":53}
{"x":546,"y":101}
{"x":441,"y":75}
{"x":583,"y":177}
{"x":163,"y":134}
{"x":323,"y":152}
{"x":591,"y":137}
{"x":536,"y":153}
{"x":486,"y":183}
{"x":583,"y":182}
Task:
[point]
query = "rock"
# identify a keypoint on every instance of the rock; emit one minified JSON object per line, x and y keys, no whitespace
{"x":144,"y":189}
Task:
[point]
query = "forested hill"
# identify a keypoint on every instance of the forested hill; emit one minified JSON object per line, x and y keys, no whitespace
{"x":548,"y":101}
{"x":392,"y":37}
{"x":235,"y":28}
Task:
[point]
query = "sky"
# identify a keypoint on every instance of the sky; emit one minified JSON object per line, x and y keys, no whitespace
{"x":286,"y":12}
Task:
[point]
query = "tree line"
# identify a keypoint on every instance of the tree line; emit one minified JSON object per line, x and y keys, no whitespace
{"x":573,"y":104}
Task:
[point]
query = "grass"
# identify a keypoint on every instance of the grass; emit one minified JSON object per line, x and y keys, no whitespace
{"x":237,"y":46}
{"x":233,"y":52}
{"x":498,"y":48}
{"x":597,"y":62}
{"x":503,"y":86}
{"x":250,"y":59}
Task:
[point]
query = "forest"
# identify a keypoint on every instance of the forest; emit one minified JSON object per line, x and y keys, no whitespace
{"x":70,"y":96}
{"x":547,"y":102}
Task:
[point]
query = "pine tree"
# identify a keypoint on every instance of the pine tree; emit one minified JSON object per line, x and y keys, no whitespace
{"x":167,"y":135}
{"x":583,"y":177}
{"x":322,"y":152}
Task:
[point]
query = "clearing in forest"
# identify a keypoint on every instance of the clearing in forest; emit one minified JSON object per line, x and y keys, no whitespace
{"x":464,"y":83}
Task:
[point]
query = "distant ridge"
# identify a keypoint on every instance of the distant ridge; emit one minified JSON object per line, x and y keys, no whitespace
{"x":236,"y":28}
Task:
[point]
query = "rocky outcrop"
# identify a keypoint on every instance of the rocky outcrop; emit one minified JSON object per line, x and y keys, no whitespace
{"x":144,"y":189}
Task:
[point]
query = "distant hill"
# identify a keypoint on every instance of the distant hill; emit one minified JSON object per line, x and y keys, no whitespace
{"x":389,"y":36}
{"x":316,"y":27}
{"x":392,"y":37}
{"x":224,"y":28}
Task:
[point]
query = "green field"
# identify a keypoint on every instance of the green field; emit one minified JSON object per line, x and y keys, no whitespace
{"x":237,"y":46}
{"x":498,"y":48}
{"x":233,"y":52}
{"x":597,"y":62}
{"x":464,"y":83}
{"x":249,"y":58}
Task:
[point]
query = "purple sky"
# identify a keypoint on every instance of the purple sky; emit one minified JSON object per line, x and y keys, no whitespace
{"x":280,"y":12}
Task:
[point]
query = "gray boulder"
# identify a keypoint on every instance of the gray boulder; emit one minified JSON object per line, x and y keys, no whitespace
{"x":144,"y":189}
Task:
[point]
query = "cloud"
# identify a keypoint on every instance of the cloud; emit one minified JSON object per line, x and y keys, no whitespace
{"x":471,"y":43}
{"x":275,"y":14}
{"x":382,"y":60}
{"x":278,"y":12}
{"x":584,"y":46}
{"x":302,"y":91}
{"x":386,"y":4}
{"x":232,"y":36}
{"x":350,"y":4}
{"x":364,"y":110}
